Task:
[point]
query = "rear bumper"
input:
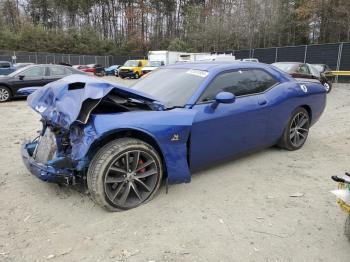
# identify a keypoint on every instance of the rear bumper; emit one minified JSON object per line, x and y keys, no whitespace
{"x":44,"y":172}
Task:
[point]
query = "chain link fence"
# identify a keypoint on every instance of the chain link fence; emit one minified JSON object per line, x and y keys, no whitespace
{"x":335,"y":55}
{"x":72,"y":59}
{"x":50,"y":58}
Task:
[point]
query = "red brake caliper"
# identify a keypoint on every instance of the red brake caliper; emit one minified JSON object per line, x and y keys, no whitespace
{"x":143,"y":170}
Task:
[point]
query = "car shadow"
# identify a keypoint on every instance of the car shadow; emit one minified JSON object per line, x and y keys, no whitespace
{"x":231,"y":160}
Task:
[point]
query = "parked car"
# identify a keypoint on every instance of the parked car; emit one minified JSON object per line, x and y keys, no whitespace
{"x":31,"y":76}
{"x":179,"y":119}
{"x":95,"y":69}
{"x":151,"y":65}
{"x":116,"y":72}
{"x":79,"y":67}
{"x":305,"y":71}
{"x":6,"y":68}
{"x":110,"y":71}
{"x":132,"y":68}
{"x":326,"y":70}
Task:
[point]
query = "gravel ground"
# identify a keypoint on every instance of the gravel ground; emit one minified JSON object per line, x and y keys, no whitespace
{"x":238,"y":211}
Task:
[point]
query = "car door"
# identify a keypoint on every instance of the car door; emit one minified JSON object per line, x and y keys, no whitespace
{"x":230,"y":129}
{"x":31,"y":77}
{"x":56,"y":72}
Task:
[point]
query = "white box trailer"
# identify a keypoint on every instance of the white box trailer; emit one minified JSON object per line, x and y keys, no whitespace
{"x":192,"y":57}
{"x":157,"y":59}
{"x":167,"y":57}
{"x":220,"y":57}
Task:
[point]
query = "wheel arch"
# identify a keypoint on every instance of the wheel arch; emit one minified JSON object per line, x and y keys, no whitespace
{"x":131,"y":133}
{"x":308,"y":109}
{"x":9,"y":88}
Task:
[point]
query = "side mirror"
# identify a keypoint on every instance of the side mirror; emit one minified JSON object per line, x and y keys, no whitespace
{"x":21,"y":77}
{"x":224,"y":98}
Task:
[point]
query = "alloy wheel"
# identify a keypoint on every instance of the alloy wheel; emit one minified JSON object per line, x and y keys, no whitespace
{"x":326,"y":86}
{"x":4,"y":94}
{"x":131,"y":178}
{"x":299,"y":129}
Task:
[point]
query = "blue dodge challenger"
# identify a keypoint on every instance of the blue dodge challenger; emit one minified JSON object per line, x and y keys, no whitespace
{"x":121,"y":142}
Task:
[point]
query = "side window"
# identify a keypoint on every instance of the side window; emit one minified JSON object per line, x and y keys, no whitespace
{"x":57,"y":71}
{"x":303,"y":69}
{"x":263,"y":81}
{"x":5,"y":65}
{"x":241,"y":82}
{"x":68,"y":71}
{"x":34,"y":72}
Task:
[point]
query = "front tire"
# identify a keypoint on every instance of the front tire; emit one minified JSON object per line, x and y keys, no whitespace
{"x":296,"y":131}
{"x":124,"y":174}
{"x":5,"y":94}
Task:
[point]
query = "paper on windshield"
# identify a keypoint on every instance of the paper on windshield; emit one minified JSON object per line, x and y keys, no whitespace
{"x":199,"y":73}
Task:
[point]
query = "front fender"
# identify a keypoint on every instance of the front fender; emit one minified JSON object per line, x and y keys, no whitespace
{"x":170,"y":130}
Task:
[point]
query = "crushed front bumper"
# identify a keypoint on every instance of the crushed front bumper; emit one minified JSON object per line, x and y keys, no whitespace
{"x":45,"y":172}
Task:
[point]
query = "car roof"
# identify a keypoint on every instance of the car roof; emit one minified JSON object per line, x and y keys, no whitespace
{"x":289,"y":63}
{"x":34,"y":65}
{"x":217,"y":65}
{"x":45,"y":64}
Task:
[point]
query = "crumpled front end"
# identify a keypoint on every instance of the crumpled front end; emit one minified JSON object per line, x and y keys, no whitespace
{"x":59,"y":154}
{"x":50,"y":163}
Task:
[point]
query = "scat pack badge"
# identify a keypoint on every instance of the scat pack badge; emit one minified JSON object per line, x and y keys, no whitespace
{"x":175,"y":137}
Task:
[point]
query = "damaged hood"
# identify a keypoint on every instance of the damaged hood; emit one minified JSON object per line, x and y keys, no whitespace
{"x":61,"y":102}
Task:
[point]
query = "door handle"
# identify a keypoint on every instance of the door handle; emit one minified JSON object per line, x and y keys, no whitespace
{"x":262,"y":102}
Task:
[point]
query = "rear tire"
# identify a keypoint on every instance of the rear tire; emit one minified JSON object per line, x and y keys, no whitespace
{"x":328,"y":86}
{"x":124,"y":174}
{"x":296,"y":131}
{"x":5,"y":94}
{"x":137,"y":76}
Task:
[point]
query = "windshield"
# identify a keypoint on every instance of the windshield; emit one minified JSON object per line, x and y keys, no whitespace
{"x":173,"y":87}
{"x":314,"y":71}
{"x":131,"y":63}
{"x":154,"y":63}
{"x":18,"y":71}
{"x":319,"y":68}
